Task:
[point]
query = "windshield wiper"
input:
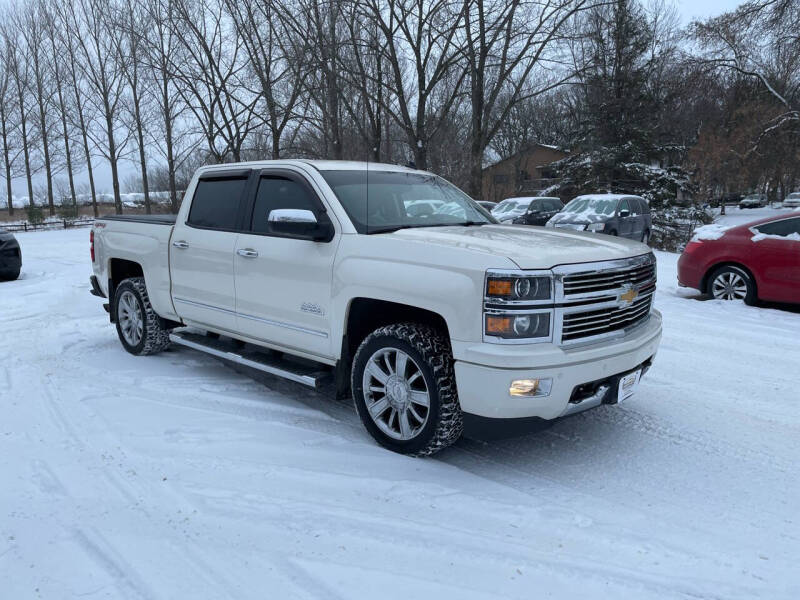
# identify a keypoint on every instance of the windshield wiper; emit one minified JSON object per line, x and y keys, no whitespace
{"x":392,"y":228}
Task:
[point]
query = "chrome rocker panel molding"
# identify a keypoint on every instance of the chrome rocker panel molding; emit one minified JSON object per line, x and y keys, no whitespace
{"x":252,"y":318}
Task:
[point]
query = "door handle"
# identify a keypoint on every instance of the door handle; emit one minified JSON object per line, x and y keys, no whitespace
{"x":247,"y":252}
{"x":181,"y":244}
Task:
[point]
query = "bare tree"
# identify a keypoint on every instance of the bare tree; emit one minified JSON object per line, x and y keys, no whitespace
{"x":162,"y":50}
{"x":93,"y":19}
{"x":423,"y":54}
{"x":20,"y":74}
{"x":130,"y":23}
{"x":55,"y":41}
{"x":70,"y":30}
{"x":31,"y":27}
{"x":275,"y":53}
{"x":507,"y":42}
{"x":6,"y":105}
{"x":208,"y":72}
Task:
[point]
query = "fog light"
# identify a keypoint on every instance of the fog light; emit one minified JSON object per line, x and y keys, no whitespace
{"x":530,"y":387}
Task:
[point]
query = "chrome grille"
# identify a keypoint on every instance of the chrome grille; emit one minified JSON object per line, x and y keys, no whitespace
{"x":580,"y":325}
{"x":603,"y":300}
{"x":594,"y":281}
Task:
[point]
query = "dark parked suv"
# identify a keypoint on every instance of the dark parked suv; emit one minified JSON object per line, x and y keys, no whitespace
{"x":539,"y":211}
{"x":10,"y":257}
{"x":612,"y":214}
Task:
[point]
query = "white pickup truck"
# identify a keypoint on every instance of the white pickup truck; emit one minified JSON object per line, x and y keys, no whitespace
{"x":391,"y":283}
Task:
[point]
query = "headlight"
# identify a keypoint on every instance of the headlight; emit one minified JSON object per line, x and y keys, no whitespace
{"x":528,"y":326}
{"x":595,"y":227}
{"x":518,"y":307}
{"x":519,"y":288}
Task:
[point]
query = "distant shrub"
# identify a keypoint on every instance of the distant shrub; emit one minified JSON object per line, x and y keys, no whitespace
{"x":35,"y":214}
{"x":67,"y":210}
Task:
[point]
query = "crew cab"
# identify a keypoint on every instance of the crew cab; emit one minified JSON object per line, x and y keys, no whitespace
{"x":433,"y":321}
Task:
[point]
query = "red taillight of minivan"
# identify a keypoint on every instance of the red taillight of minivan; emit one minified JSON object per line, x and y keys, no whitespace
{"x":91,"y":244}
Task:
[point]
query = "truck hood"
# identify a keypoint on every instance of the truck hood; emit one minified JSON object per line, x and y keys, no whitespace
{"x":528,"y":247}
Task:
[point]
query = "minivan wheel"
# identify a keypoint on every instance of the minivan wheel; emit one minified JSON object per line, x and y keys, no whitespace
{"x":141,"y":331}
{"x":732,"y":283}
{"x":403,"y":384}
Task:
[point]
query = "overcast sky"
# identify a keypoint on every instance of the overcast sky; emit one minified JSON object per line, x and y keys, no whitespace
{"x":688,"y":9}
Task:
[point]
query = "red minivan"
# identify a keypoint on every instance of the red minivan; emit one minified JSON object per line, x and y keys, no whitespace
{"x":756,"y":261}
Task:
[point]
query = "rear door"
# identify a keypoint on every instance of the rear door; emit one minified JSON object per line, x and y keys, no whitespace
{"x":202,"y":248}
{"x":283,"y":283}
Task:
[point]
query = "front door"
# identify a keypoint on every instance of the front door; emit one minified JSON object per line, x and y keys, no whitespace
{"x":283,"y":284}
{"x":626,"y":227}
{"x":201,"y":253}
{"x":775,"y":250}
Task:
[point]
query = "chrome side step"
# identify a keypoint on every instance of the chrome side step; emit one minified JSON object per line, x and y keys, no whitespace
{"x":300,"y":371}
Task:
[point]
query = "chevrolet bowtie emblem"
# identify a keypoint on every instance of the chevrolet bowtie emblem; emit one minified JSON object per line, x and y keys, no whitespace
{"x":629,"y":296}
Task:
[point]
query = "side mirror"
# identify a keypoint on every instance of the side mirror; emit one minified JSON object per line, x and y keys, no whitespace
{"x":624,"y":213}
{"x":302,"y":224}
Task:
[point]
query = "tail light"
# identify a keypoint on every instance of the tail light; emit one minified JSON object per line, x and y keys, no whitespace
{"x":91,"y":244}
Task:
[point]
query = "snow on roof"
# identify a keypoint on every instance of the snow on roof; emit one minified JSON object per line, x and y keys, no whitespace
{"x":594,"y":197}
{"x":533,"y":198}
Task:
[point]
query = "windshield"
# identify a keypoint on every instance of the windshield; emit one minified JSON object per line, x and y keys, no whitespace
{"x":507,"y":206}
{"x":591,"y":206}
{"x":381,"y":201}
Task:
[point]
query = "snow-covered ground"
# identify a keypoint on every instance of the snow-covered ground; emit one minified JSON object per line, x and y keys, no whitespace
{"x":173,"y":476}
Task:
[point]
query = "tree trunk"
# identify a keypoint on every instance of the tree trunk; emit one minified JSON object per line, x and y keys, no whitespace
{"x":142,"y":158}
{"x":25,"y":150}
{"x":7,"y":161}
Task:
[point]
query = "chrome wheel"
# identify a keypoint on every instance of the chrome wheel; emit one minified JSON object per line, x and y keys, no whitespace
{"x":396,"y":394}
{"x":131,"y":321}
{"x":729,"y":285}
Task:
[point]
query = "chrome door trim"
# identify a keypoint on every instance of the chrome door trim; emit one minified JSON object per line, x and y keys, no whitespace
{"x":281,"y":324}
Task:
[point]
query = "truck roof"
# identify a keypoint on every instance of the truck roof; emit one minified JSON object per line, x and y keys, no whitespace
{"x":320,"y":165}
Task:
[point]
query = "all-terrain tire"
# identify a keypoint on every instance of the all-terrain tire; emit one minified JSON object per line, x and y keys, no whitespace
{"x":430,"y":350}
{"x":155,"y":336}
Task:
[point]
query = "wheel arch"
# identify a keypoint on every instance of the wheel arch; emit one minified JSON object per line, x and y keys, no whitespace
{"x":120,"y":269}
{"x":365,"y":315}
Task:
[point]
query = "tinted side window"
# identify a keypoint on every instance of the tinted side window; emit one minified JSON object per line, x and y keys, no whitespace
{"x":536,"y":205}
{"x":216,"y":203}
{"x":645,"y":206}
{"x":785,"y":227}
{"x":554,"y":205}
{"x":279,"y":192}
{"x":623,"y":205}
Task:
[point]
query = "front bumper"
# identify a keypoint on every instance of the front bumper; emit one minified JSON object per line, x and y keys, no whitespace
{"x":484,"y":373}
